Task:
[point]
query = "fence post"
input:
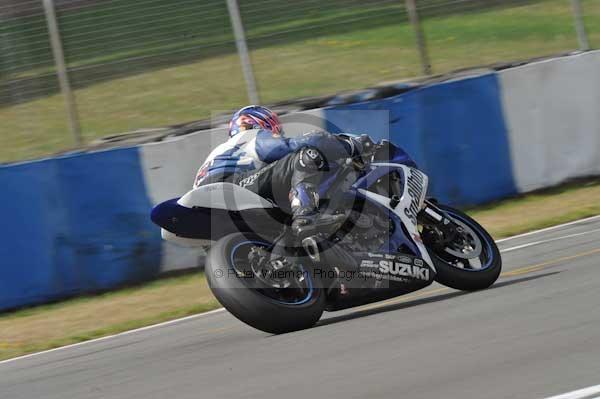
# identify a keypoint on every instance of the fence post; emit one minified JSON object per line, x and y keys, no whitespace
{"x":61,"y":70}
{"x":242,"y":47}
{"x":413,"y":14}
{"x":584,"y":44}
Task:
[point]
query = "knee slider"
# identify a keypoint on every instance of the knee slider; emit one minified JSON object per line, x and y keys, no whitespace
{"x":311,"y":159}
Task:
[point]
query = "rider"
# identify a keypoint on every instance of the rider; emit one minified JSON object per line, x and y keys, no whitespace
{"x":287,"y":171}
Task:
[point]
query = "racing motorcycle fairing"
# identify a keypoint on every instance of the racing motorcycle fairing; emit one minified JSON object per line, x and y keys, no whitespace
{"x":214,"y":210}
{"x":204,"y":223}
{"x":395,"y":274}
{"x":223,"y":195}
{"x":402,"y":208}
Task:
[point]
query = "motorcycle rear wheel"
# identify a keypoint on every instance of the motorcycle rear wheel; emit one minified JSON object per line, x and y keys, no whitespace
{"x":238,"y":293}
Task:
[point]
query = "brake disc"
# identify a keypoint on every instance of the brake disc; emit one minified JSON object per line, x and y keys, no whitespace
{"x":467,"y":245}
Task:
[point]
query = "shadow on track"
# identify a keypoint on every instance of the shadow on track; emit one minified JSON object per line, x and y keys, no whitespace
{"x":417,"y":302}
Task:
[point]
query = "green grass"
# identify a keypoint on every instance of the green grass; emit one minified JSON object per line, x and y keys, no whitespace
{"x":76,"y":320}
{"x":539,"y":209}
{"x":310,"y":65}
{"x":81,"y":319}
{"x":119,"y":29}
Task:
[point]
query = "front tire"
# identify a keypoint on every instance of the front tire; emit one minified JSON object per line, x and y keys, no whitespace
{"x":251,"y":306}
{"x":467,"y":278}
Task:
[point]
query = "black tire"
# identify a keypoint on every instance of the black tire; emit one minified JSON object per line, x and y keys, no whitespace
{"x":251,"y":306}
{"x":469,"y":280}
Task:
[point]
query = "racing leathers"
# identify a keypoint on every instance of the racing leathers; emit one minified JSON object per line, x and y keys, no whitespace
{"x":287,"y":171}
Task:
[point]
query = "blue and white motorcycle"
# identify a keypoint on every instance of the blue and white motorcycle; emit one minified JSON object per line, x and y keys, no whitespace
{"x":379,"y":237}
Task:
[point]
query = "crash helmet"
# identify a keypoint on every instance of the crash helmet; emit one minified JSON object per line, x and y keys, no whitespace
{"x":255,"y":117}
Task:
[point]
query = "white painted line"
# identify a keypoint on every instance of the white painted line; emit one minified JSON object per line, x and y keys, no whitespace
{"x":531,"y":244}
{"x":579,"y":394}
{"x":222,"y":309}
{"x":137,"y":330}
{"x":558,"y":226}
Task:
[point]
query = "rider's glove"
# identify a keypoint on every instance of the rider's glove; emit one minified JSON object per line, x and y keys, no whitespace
{"x":361,"y":149}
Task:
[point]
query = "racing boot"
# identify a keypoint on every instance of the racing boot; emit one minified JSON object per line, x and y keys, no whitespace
{"x":304,"y":201}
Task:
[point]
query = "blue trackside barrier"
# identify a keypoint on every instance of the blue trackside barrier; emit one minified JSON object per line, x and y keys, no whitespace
{"x":454,"y":130}
{"x":74,"y":224}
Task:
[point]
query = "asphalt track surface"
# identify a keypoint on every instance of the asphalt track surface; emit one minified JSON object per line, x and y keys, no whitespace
{"x":535,"y":334}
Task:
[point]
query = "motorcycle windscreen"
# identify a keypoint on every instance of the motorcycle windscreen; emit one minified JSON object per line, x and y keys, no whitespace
{"x":389,"y":152}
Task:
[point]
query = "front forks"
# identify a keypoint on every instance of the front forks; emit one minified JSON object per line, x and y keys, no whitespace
{"x":438,"y":229}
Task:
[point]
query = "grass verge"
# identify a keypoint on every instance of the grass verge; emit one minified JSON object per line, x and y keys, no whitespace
{"x":543,"y":208}
{"x":81,"y":319}
{"x":50,"y":326}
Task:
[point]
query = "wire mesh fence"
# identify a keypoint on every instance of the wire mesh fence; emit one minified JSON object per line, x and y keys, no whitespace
{"x":145,"y":63}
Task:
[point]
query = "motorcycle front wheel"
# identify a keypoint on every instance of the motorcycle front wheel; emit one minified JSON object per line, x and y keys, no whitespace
{"x":472,"y":260}
{"x":293,"y":302}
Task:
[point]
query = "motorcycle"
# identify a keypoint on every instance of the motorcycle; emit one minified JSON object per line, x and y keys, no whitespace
{"x":379,"y":237}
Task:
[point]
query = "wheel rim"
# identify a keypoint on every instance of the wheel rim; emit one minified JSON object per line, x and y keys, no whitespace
{"x":479,"y":255}
{"x":300,"y":292}
{"x":469,"y":245}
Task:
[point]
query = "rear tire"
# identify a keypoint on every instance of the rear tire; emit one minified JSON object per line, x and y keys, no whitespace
{"x":251,"y":306}
{"x":469,"y":280}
